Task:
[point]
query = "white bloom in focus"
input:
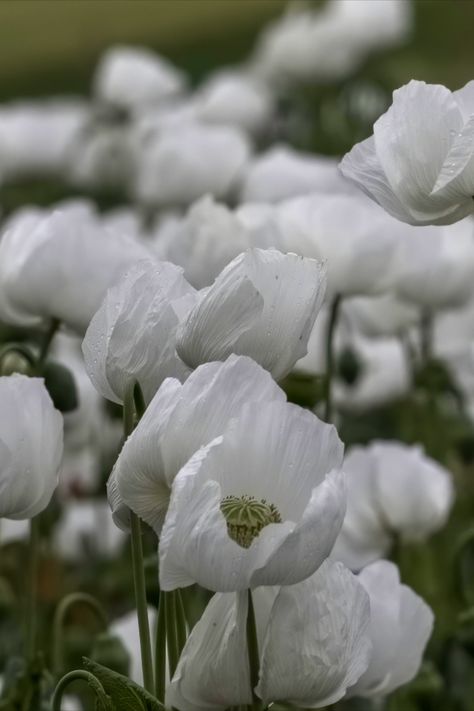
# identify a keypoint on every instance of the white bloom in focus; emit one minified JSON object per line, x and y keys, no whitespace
{"x":419,"y":163}
{"x":196,"y":159}
{"x":132,"y":335}
{"x":400,"y":626}
{"x":281,"y":173}
{"x":378,"y":479}
{"x":59,"y":265}
{"x":31,"y":446}
{"x":260,"y":505}
{"x":263,"y":305}
{"x":313,"y":641}
{"x":133,"y":77}
{"x":234,"y":98}
{"x":179,"y":420}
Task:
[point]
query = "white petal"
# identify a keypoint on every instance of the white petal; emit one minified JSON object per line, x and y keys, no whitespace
{"x":362,"y":166}
{"x":270,"y":326}
{"x":213,"y":670}
{"x":138,"y":480}
{"x":412,"y":140}
{"x":317,"y":641}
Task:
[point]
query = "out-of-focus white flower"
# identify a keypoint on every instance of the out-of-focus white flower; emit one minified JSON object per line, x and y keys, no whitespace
{"x":358,"y":240}
{"x":126,"y":628}
{"x":46,"y":260}
{"x":35,"y":138}
{"x":453,"y":330}
{"x":436,"y":265}
{"x":281,"y":173}
{"x":313,"y":640}
{"x":384,"y":315}
{"x":133,"y":77}
{"x":378,"y":508}
{"x":132,"y":335}
{"x":234,"y":98}
{"x":13,"y":530}
{"x":419,"y":163}
{"x":86,"y":528}
{"x":179,"y":420}
{"x":329,"y":43}
{"x":384,"y":375}
{"x":196,"y":160}
{"x":400,"y":626}
{"x":203,"y":242}
{"x":263,"y":305}
{"x":31,"y":446}
{"x":103,"y":157}
{"x":260,"y":505}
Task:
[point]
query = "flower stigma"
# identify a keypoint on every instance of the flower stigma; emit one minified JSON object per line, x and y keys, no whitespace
{"x":246,"y":516}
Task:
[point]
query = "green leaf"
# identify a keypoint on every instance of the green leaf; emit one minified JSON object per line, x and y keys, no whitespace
{"x":61,"y":386}
{"x":125,"y":694}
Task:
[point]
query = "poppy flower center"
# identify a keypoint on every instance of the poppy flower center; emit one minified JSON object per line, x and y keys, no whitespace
{"x":246,"y":516}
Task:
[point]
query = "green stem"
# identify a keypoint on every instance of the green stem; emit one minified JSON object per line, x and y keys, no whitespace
{"x":141,"y":602}
{"x":333,"y":316}
{"x":160,"y":649}
{"x":92,"y":681}
{"x":252,"y":649}
{"x":426,"y":334}
{"x":59,"y":618}
{"x":137,"y":560}
{"x":48,"y":339}
{"x":181,"y":631}
{"x":32,"y":589}
{"x":171,"y":632}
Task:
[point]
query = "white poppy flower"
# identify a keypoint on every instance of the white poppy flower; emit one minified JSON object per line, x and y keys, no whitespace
{"x":179,"y":420}
{"x":35,"y":137}
{"x":31,"y":446}
{"x":196,"y":159}
{"x":46,"y":261}
{"x":384,"y":315}
{"x":132,"y":335}
{"x":126,"y":628}
{"x":263,"y":305}
{"x":400,"y":626}
{"x":384,"y":375}
{"x":133,"y":77}
{"x":313,"y":640}
{"x":419,"y":163}
{"x":281,"y":173}
{"x":234,"y":98}
{"x":378,"y":478}
{"x":260,"y":505}
{"x":86,"y":528}
{"x":360,"y":258}
{"x":436,"y":265}
{"x":203,"y":242}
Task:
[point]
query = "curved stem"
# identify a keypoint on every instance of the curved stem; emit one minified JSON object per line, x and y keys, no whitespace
{"x":60,"y":616}
{"x":333,"y":315}
{"x":48,"y":339}
{"x":32,"y":589}
{"x":252,"y":648}
{"x":76,"y":675}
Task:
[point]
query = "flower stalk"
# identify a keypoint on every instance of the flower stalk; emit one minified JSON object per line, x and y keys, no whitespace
{"x":333,"y":317}
{"x":32,"y":589}
{"x":252,"y":650}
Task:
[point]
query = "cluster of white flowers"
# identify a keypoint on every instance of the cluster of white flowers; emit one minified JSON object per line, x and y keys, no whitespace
{"x":246,"y":268}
